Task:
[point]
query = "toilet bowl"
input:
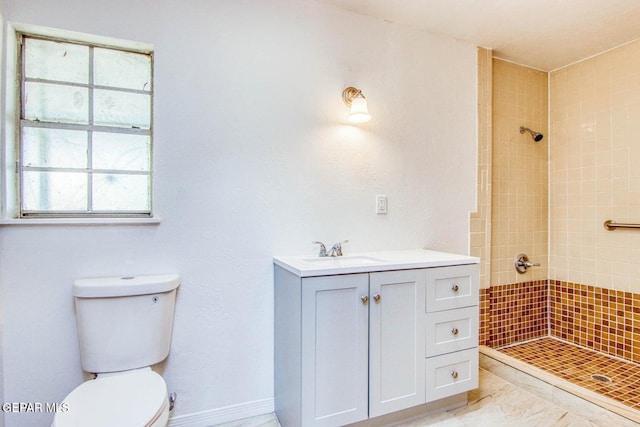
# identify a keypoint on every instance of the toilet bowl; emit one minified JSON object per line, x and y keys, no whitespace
{"x":135,"y":398}
{"x":124,"y":327}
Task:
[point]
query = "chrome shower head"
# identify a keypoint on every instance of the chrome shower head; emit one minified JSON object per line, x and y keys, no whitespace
{"x":535,"y":135}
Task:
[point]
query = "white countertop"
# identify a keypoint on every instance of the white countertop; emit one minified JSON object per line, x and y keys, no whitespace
{"x":309,"y":265}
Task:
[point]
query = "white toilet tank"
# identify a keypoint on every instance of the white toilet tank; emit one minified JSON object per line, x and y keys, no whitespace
{"x":124,"y":322}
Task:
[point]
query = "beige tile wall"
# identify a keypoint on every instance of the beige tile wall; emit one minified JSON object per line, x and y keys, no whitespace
{"x":595,"y":170}
{"x":519,"y":172}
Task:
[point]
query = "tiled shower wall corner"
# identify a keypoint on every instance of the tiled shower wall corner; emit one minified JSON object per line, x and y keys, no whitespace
{"x":485,"y":319}
{"x":604,"y":320}
{"x":519,"y":172}
{"x":594,"y":174}
{"x":513,"y":313}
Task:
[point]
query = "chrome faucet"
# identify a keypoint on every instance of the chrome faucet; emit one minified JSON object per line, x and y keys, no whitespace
{"x":323,"y":249}
{"x":336,"y":250}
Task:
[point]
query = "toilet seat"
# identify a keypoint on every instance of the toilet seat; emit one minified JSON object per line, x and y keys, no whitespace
{"x":126,"y":399}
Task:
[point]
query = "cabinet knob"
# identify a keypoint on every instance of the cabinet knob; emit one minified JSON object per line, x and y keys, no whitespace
{"x":377,"y":297}
{"x":454,"y":331}
{"x":455,"y":288}
{"x":365,"y":299}
{"x":454,"y":374}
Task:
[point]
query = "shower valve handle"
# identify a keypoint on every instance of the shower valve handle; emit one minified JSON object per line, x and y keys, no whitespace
{"x":522,"y":263}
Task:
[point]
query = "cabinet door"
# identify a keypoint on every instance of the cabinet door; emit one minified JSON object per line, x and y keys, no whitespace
{"x":334,"y":349}
{"x":397,"y":341}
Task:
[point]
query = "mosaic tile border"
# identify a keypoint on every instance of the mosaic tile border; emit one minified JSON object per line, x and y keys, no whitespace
{"x":604,"y":320}
{"x":517,"y":312}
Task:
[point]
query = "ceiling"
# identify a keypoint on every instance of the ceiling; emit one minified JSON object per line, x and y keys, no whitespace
{"x":544,"y":34}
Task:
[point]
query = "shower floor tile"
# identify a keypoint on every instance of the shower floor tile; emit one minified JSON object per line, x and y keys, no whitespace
{"x":614,"y":378}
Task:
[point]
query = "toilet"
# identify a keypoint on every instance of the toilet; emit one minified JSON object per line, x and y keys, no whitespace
{"x":124,"y":327}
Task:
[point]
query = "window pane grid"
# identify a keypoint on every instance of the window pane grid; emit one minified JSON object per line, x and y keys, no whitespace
{"x":120,"y":192}
{"x":87,"y":85}
{"x":76,"y":126}
{"x":85,"y":170}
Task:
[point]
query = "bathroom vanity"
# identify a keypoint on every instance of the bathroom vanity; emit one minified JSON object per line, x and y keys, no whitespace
{"x":362,"y":336}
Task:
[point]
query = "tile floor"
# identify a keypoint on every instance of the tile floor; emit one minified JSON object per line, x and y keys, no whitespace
{"x":500,"y":403}
{"x":577,"y":365}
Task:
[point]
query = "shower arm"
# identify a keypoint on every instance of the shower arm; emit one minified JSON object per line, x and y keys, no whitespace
{"x":537,"y":136}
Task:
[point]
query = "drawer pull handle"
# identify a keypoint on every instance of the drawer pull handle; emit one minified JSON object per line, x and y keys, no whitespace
{"x":454,"y":331}
{"x":455,"y":288}
{"x":377,"y":297}
{"x":365,"y":299}
{"x":454,"y":374}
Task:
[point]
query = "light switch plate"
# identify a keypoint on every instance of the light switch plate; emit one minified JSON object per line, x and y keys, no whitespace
{"x":381,"y":204}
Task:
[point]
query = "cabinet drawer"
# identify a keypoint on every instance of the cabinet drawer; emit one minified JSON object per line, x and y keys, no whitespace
{"x":452,"y":287}
{"x":452,"y":374}
{"x":452,"y":330}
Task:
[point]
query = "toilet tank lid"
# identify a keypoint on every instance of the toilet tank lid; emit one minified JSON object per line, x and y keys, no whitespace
{"x":105,"y":287}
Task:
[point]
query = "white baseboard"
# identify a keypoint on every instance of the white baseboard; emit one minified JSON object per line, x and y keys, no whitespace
{"x":226,"y":414}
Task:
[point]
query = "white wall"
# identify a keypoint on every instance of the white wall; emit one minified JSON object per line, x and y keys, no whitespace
{"x":1,"y":287}
{"x":253,"y":157}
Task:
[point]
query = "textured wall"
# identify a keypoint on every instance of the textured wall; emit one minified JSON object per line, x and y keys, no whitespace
{"x":252,"y":158}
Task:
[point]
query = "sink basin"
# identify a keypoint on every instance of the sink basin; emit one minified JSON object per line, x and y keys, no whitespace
{"x":344,"y":260}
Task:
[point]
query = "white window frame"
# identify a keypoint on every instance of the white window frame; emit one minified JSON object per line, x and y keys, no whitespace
{"x":11,"y":169}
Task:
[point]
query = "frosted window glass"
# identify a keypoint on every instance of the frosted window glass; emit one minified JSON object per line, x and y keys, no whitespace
{"x":56,"y":103}
{"x":121,"y":151}
{"x":121,"y":192}
{"x":54,"y":148}
{"x":72,"y":158}
{"x":59,"y":61}
{"x":112,"y":108}
{"x":122,"y":69}
{"x":54,"y":191}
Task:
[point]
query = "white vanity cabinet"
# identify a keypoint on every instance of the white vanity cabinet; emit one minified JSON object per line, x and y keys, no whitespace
{"x":358,"y":344}
{"x":354,"y":346}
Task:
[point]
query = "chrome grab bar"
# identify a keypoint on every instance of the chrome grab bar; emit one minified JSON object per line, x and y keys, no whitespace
{"x":612,"y":225}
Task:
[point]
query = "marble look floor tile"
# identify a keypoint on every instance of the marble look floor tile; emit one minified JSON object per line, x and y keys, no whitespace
{"x":590,"y":413}
{"x":439,"y":420}
{"x":268,"y":420}
{"x":526,"y":382}
{"x":499,"y":403}
{"x":510,"y":406}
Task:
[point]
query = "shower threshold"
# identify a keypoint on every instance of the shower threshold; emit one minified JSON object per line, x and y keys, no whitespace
{"x":607,"y":381}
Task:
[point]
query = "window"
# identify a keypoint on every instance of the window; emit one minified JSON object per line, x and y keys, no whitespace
{"x":85,"y":131}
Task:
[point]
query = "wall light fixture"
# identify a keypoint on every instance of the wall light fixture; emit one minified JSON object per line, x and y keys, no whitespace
{"x":355,"y":99}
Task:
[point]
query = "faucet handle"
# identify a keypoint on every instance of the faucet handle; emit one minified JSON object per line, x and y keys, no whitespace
{"x":522,"y":263}
{"x":336,"y":250}
{"x":323,"y":248}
